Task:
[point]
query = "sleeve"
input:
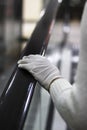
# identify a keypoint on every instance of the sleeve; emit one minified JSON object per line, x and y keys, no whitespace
{"x":71,"y":101}
{"x":70,"y":104}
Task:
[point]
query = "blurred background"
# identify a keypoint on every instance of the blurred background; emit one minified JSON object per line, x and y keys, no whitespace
{"x":17,"y":22}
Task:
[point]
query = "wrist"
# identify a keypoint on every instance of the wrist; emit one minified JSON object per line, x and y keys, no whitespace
{"x":52,"y":82}
{"x":59,"y":85}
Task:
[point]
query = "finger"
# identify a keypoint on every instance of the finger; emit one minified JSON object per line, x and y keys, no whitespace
{"x":19,"y":61}
{"x":25,"y":66}
{"x":34,"y":56}
{"x":23,"y":61}
{"x":24,"y":57}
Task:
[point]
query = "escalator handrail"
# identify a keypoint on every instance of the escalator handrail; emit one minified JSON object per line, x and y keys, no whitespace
{"x":16,"y":98}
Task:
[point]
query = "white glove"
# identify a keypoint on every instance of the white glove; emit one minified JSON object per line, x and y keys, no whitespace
{"x":41,"y":68}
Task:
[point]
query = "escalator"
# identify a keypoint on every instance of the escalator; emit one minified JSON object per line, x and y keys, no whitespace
{"x":21,"y":99}
{"x":15,"y":100}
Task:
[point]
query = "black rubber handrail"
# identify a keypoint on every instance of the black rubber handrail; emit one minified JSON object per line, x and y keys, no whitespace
{"x":16,"y":98}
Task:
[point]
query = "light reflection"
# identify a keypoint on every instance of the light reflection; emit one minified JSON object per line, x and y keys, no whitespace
{"x":42,"y":13}
{"x":11,"y":83}
{"x":29,"y":96}
{"x":75,"y":59}
{"x":54,"y":58}
{"x":59,"y":1}
{"x":66,"y":29}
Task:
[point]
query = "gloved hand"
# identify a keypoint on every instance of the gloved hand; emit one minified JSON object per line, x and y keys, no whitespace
{"x":41,"y":68}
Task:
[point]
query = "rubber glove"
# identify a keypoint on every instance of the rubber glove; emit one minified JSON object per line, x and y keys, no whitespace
{"x":41,"y":68}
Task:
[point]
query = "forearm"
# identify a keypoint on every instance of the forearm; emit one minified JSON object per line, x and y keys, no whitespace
{"x":69,"y":104}
{"x":70,"y":101}
{"x":81,"y":77}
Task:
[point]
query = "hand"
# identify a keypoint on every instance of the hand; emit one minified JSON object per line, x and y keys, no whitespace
{"x":41,"y":68}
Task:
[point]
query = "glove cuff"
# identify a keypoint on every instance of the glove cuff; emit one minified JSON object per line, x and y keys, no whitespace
{"x":52,"y":82}
{"x":60,"y":86}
